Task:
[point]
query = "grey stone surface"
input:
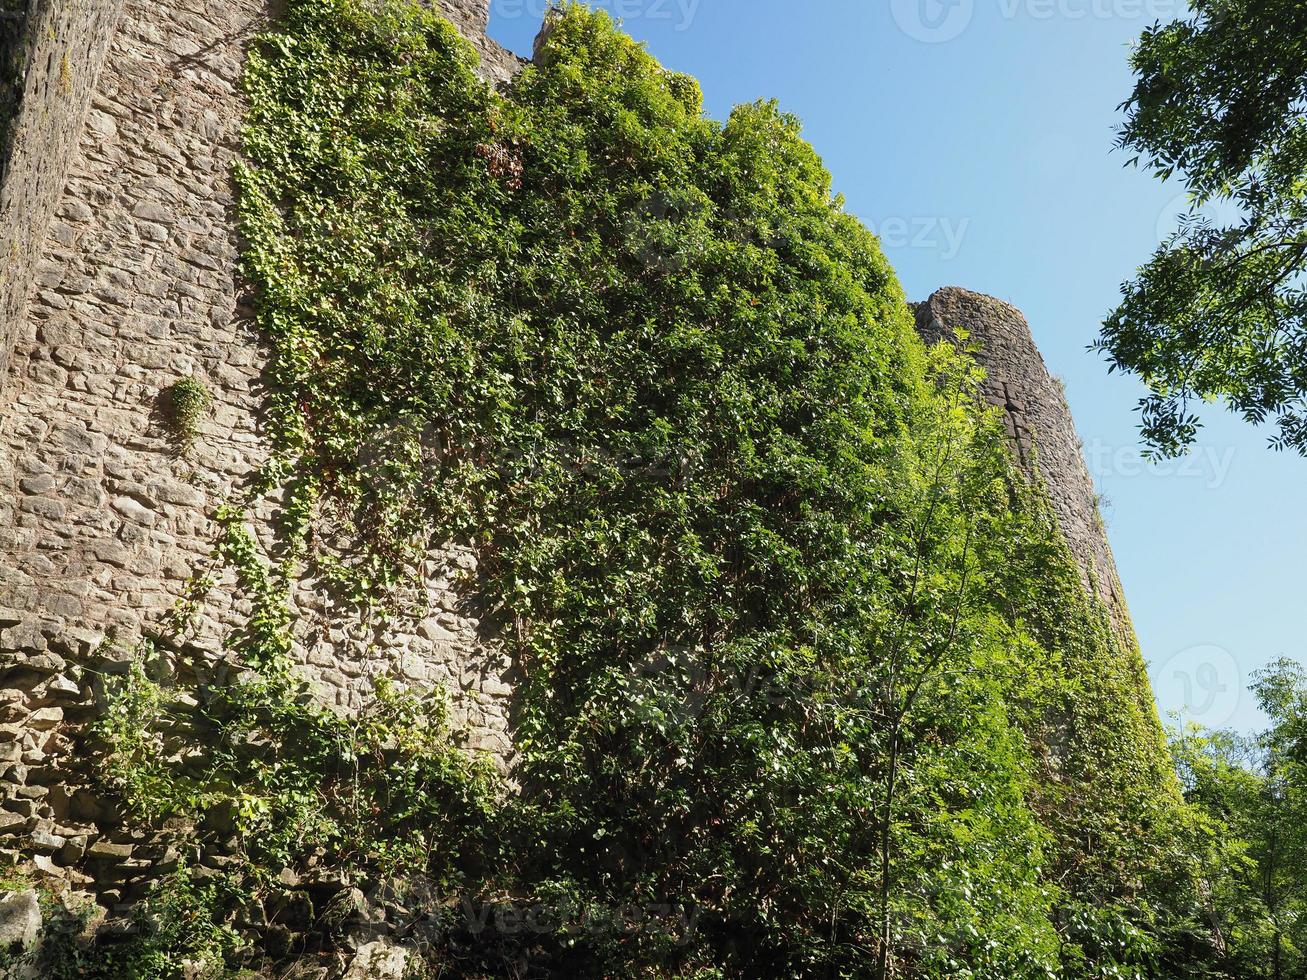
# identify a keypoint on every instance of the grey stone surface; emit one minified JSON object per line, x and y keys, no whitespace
{"x":1039,"y":427}
{"x":379,"y":960}
{"x":60,"y":49}
{"x":472,"y":17}
{"x":20,"y":919}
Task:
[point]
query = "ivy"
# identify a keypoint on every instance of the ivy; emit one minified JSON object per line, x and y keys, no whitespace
{"x":13,"y":23}
{"x":799,"y":652}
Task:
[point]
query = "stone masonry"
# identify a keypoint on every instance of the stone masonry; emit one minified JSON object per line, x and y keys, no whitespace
{"x":59,"y":47}
{"x":1039,"y":428}
{"x":119,"y":279}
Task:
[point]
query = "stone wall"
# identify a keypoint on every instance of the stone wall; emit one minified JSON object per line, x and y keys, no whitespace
{"x":103,"y":520}
{"x":60,"y":49}
{"x":1039,"y":426}
{"x":472,"y":18}
{"x":13,"y":40}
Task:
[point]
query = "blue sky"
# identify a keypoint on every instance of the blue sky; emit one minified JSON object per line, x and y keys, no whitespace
{"x":976,"y":137}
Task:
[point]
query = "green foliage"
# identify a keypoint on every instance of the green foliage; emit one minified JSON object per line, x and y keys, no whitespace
{"x":62,"y":950}
{"x":176,"y":932}
{"x":180,"y":930}
{"x":187,"y":402}
{"x":799,"y":653}
{"x":294,"y":781}
{"x":1252,"y":797}
{"x":253,"y":768}
{"x":1220,"y":310}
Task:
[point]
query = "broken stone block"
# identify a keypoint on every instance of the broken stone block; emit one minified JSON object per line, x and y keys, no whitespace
{"x":46,"y":843}
{"x":62,"y":687}
{"x":380,"y":960}
{"x":46,"y":663}
{"x":24,"y":808}
{"x":12,"y":707}
{"x":20,"y":919}
{"x":82,"y":641}
{"x":24,"y":637}
{"x":73,"y":850}
{"x":109,"y":851}
{"x":45,"y":718}
{"x":135,"y":511}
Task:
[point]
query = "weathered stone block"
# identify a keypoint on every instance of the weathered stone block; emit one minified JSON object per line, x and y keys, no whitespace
{"x":20,"y":919}
{"x":133,"y":510}
{"x":44,"y":718}
{"x":108,"y":851}
{"x":46,"y":843}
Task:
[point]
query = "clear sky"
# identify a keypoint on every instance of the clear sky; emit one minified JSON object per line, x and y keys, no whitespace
{"x":975,"y":136}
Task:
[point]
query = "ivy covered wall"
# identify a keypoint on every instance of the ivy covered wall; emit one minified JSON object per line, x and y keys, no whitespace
{"x":800,"y":674}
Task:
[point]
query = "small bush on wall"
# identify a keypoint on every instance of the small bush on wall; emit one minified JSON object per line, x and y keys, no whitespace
{"x":186,"y":403}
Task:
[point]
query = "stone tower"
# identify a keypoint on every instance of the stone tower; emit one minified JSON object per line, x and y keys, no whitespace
{"x":1039,"y":425}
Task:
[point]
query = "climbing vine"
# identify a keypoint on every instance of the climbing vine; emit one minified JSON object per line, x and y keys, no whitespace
{"x":799,"y":652}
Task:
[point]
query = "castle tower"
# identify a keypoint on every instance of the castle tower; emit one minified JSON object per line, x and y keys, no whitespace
{"x":1039,"y":425}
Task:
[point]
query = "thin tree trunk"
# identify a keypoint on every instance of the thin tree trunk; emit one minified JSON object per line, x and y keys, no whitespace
{"x":1269,"y":897}
{"x":886,"y":829}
